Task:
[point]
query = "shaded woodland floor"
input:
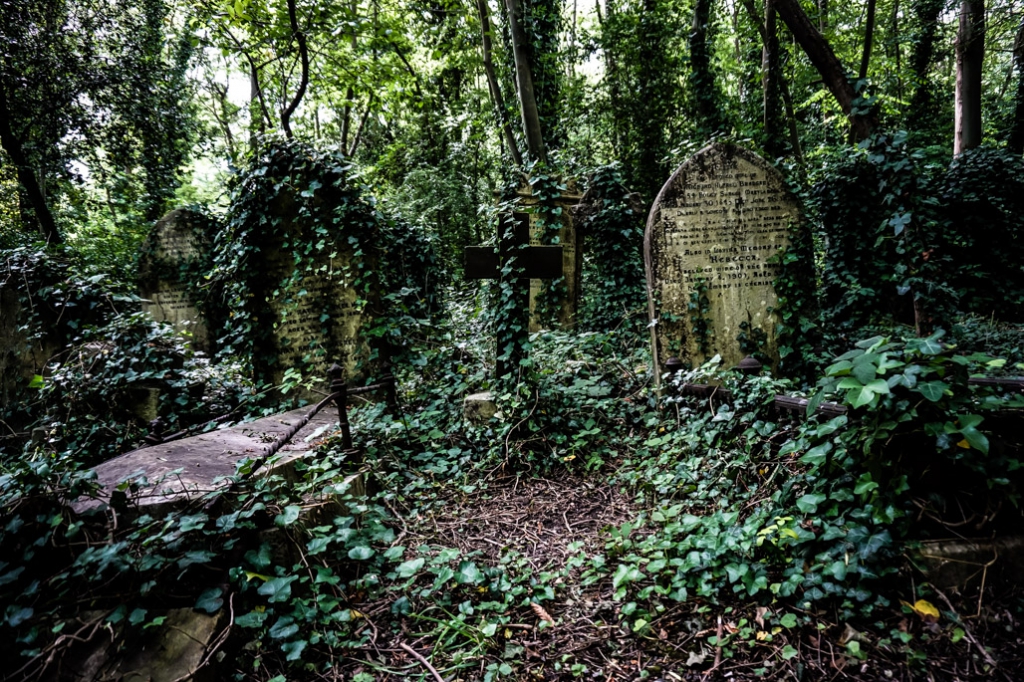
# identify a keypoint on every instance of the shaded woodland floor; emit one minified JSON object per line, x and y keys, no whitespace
{"x":548,"y":522}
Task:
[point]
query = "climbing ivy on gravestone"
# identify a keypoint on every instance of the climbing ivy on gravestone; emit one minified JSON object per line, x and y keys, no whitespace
{"x":313,"y":270}
{"x":612,"y":218}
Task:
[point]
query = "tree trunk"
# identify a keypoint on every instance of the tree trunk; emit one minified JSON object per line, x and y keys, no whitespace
{"x":702,"y":76}
{"x":27,"y":178}
{"x":970,"y":53}
{"x":524,"y":83}
{"x":828,"y":65}
{"x":926,"y":14}
{"x":1016,"y":141}
{"x":359,"y":131}
{"x":300,"y":38}
{"x":770,"y":68}
{"x":611,"y":77}
{"x":869,"y":38}
{"x":794,"y":134}
{"x":492,"y":84}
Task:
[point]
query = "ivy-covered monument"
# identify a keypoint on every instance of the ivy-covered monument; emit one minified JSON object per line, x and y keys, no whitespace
{"x":315,"y":274}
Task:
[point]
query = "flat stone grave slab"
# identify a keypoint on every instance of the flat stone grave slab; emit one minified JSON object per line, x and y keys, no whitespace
{"x":185,"y":469}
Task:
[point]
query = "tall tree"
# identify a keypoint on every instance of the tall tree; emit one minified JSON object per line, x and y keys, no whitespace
{"x":770,"y":82}
{"x":922,"y":102}
{"x":1016,"y":138}
{"x":832,"y":72}
{"x":970,"y":54}
{"x":709,"y":104}
{"x":497,"y":99}
{"x":524,"y":83}
{"x":869,"y":39}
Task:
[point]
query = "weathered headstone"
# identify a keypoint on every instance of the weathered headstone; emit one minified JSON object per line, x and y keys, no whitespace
{"x":544,"y":216}
{"x":708,"y":249}
{"x":171,"y":267}
{"x":21,"y":357}
{"x":311,"y":311}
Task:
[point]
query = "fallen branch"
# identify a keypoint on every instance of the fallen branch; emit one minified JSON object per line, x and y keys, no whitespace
{"x":425,"y":662}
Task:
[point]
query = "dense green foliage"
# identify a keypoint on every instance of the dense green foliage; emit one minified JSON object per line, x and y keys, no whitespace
{"x":907,"y":235}
{"x":368,"y":144}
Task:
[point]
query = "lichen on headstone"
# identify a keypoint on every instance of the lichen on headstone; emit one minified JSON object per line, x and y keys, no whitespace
{"x":711,"y":249}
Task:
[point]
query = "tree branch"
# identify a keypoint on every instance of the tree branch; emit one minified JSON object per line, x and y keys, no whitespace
{"x":300,"y":38}
{"x":492,"y":84}
{"x":825,"y":61}
{"x":524,"y":82}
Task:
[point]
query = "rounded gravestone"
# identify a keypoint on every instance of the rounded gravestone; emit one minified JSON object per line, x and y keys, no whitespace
{"x":172,"y":265}
{"x":710,"y":252}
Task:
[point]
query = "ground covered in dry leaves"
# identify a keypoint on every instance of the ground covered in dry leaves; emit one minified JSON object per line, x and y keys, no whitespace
{"x":549,"y":522}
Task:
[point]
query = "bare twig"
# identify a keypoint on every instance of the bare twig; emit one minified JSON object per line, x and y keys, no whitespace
{"x":425,"y":662}
{"x":967,"y":631}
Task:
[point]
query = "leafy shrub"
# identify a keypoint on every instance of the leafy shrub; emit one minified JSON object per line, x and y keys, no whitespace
{"x":89,"y":405}
{"x":914,"y":242}
{"x":611,"y":218}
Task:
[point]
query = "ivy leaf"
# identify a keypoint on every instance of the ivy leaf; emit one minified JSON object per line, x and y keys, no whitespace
{"x":932,"y":390}
{"x":788,"y":652}
{"x":360,"y":553}
{"x":864,"y":484}
{"x":469,"y":574}
{"x":409,"y":568}
{"x":899,"y":222}
{"x":840,"y":368}
{"x":294,"y":649}
{"x":210,"y":600}
{"x":278,"y":589}
{"x":626,"y":573}
{"x":284,"y":627}
{"x":289,"y":516}
{"x":808,"y":503}
{"x":817,"y":454}
{"x":865,"y":371}
{"x":15,"y":615}
{"x":867,"y":393}
{"x":394,"y":553}
{"x":969,"y":428}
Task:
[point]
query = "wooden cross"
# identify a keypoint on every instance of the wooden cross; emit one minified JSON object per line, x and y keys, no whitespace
{"x":531,"y":262}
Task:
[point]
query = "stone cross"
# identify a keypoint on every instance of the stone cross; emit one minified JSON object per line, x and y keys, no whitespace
{"x":515,"y":262}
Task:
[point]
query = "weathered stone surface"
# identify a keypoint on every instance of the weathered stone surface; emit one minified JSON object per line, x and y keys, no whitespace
{"x":172,"y":256}
{"x":180,"y":649}
{"x":961,"y":563}
{"x":571,"y":241}
{"x":311,"y":305}
{"x":20,"y":360}
{"x":717,"y":223}
{"x":479,"y":407}
{"x":191,"y":467}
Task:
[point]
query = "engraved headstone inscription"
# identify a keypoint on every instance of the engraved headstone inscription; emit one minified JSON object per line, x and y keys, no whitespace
{"x":170,"y":266}
{"x":713,"y":233}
